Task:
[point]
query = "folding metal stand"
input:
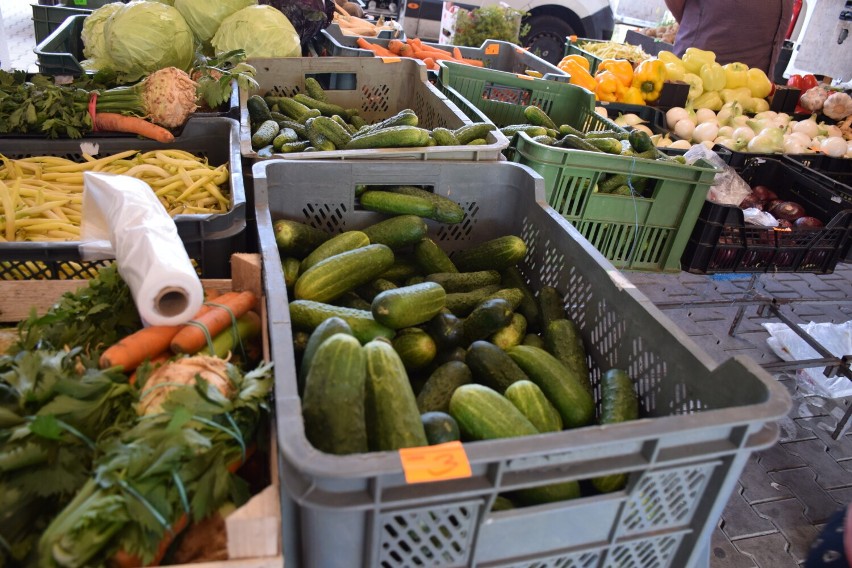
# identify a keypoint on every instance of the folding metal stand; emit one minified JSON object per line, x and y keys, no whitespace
{"x":833,"y":365}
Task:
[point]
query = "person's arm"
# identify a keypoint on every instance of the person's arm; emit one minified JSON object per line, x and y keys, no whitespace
{"x":676,"y":8}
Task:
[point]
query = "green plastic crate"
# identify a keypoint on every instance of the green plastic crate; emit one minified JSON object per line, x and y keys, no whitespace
{"x":47,"y":19}
{"x":572,"y":47}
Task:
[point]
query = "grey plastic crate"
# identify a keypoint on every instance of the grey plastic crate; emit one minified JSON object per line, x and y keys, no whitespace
{"x":378,"y":89}
{"x":209,"y":239}
{"x":699,"y":423}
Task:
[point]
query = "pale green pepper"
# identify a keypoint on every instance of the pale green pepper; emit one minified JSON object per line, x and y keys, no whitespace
{"x":713,"y":76}
{"x":694,"y":58}
{"x":758,"y":83}
{"x":741,"y":95}
{"x":696,"y":87}
{"x":736,"y":75}
{"x":708,"y":99}
{"x":674,"y":66}
{"x":755,"y":105}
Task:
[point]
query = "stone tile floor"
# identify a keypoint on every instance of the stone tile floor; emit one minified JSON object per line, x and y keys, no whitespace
{"x":787,"y":492}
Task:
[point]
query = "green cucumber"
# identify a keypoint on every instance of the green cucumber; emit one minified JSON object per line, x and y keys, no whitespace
{"x":415,"y":347}
{"x":401,"y":270}
{"x":307,"y":315}
{"x":350,"y":240}
{"x":440,"y":386}
{"x":297,"y":239}
{"x":608,"y":145}
{"x":258,"y":110}
{"x":565,"y":129}
{"x":296,"y":127}
{"x":394,"y":137}
{"x":530,"y":400}
{"x":531,"y":129}
{"x":336,"y":380}
{"x":294,"y":109}
{"x":375,"y":287}
{"x":325,"y":107}
{"x":405,"y":117}
{"x":285,"y":136}
{"x":510,"y":335}
{"x":446,"y":210}
{"x":512,"y":278}
{"x":574,"y":403}
{"x":486,"y":318}
{"x":409,"y":305}
{"x":314,"y":89}
{"x":291,"y":147}
{"x":290,"y":266}
{"x":333,"y":131}
{"x":342,"y":122}
{"x":444,"y":137}
{"x":464,"y":281}
{"x":397,"y":232}
{"x":323,"y":331}
{"x":393,"y":421}
{"x":462,"y":303}
{"x":432,"y":258}
{"x":572,"y":142}
{"x":494,"y":254}
{"x":353,"y":300}
{"x":492,"y":367}
{"x":551,"y":305}
{"x":357,"y":122}
{"x":640,"y":141}
{"x":397,"y":204}
{"x":470,"y":132}
{"x":544,"y":139}
{"x":502,"y":503}
{"x":562,"y":339}
{"x":538,"y":117}
{"x":264,"y":134}
{"x":329,"y":278}
{"x":317,"y":139}
{"x":446,"y":329}
{"x":511,"y":295}
{"x":440,"y":428}
{"x":547,"y":493}
{"x":533,"y":340}
{"x":619,"y":403}
{"x":484,"y":414}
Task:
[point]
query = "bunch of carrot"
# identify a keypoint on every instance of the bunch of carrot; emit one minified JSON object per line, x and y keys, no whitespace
{"x":413,"y":47}
{"x":218,"y":327}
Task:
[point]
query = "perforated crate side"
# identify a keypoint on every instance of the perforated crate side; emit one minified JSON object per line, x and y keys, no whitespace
{"x":699,"y":422}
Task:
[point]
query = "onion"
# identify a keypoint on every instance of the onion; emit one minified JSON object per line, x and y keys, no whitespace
{"x":789,"y":210}
{"x":681,"y":145}
{"x":684,"y":129}
{"x":784,"y":224}
{"x":793,"y":145}
{"x":834,"y":146}
{"x":675,"y":115}
{"x":763,"y":193}
{"x":705,"y":131}
{"x":726,"y":131}
{"x":743,"y":133}
{"x":809,"y":222}
{"x":704,"y":115}
{"x":807,"y":127}
{"x":751,"y":201}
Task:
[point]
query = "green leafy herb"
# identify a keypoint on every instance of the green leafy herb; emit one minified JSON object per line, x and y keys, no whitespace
{"x":215,"y":76}
{"x":488,"y":22}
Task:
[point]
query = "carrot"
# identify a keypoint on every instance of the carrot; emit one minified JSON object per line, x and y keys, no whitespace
{"x":192,"y":338}
{"x":430,"y":63}
{"x":459,"y":57}
{"x":377,"y":49}
{"x":395,"y":46}
{"x":420,"y":46}
{"x":115,"y":122}
{"x":457,"y":53}
{"x":129,"y":352}
{"x":406,"y":50}
{"x":435,"y":56}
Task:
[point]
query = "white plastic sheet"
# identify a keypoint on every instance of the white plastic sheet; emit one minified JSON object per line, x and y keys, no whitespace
{"x":836,"y":338}
{"x":122,"y":219}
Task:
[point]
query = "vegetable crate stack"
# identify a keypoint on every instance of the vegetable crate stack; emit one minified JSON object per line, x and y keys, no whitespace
{"x":813,"y":232}
{"x":634,"y":204}
{"x":477,"y":386}
{"x":198,"y":179}
{"x":364,"y":108}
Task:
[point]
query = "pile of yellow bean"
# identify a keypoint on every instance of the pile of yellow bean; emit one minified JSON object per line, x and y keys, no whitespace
{"x":41,"y":197}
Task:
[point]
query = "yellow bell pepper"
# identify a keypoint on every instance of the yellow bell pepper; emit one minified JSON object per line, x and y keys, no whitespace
{"x":649,"y":77}
{"x":579,"y":75}
{"x":758,"y":83}
{"x":713,"y":76}
{"x":739,"y":95}
{"x":668,"y":57}
{"x":708,"y":99}
{"x":584,"y":63}
{"x":736,"y":75}
{"x":696,"y":87}
{"x":609,"y":87}
{"x":694,"y":58}
{"x":632,"y":96}
{"x":621,"y":68}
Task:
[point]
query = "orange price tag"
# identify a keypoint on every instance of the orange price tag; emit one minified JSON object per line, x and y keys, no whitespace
{"x":434,"y":463}
{"x":391,"y":59}
{"x":492,"y":49}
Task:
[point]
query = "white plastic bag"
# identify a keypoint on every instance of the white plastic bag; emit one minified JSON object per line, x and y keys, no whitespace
{"x":836,"y":338}
{"x":728,"y":187}
{"x":755,"y":216}
{"x":122,"y":219}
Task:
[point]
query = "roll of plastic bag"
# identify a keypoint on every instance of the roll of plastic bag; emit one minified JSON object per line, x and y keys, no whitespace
{"x":122,"y":219}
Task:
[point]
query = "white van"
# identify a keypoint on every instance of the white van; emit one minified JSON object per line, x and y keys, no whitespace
{"x":550,"y":21}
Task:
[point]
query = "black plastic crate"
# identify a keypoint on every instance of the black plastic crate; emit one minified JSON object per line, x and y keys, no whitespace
{"x":46,"y":19}
{"x":209,"y":239}
{"x":838,"y":169}
{"x":723,"y":242}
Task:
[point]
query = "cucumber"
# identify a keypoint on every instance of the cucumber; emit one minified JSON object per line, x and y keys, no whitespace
{"x":511,"y":295}
{"x":323,"y":331}
{"x":562,"y":339}
{"x":531,"y":130}
{"x":372,"y":289}
{"x":608,"y":145}
{"x":454,"y":354}
{"x":484,"y":414}
{"x":329,"y":278}
{"x":446,"y":329}
{"x":342,"y":122}
{"x":432,"y":258}
{"x":446,"y":210}
{"x":357,"y":122}
{"x":409,"y":305}
{"x":325,"y":107}
{"x":544,"y":139}
{"x":405,"y":117}
{"x":547,"y":493}
{"x":317,"y":139}
{"x":538,"y":117}
{"x":336,"y":380}
{"x":462,"y":303}
{"x":401,"y":270}
{"x":574,"y":403}
{"x":307,"y":315}
{"x":550,"y":305}
{"x":512,"y":278}
{"x":492,"y":367}
{"x":486,"y":318}
{"x":510,"y":335}
{"x":265,"y":134}
{"x":440,"y":386}
{"x":397,"y":204}
{"x":258,"y":110}
{"x":470,"y":132}
{"x":297,"y":239}
{"x":290,"y":147}
{"x":294,"y":109}
{"x":619,"y":403}
{"x":393,"y":421}
{"x":394,"y":137}
{"x":314,"y":89}
{"x":617,"y":134}
{"x":565,"y":129}
{"x":290,"y":266}
{"x":477,"y":142}
{"x":285,"y":136}
{"x":495,"y":254}
{"x":353,"y":300}
{"x":530,"y":400}
{"x":397,"y":232}
{"x":572,"y":142}
{"x":415,"y":348}
{"x":464,"y":281}
{"x":640,"y":141}
{"x":444,"y":137}
{"x":502,"y":503}
{"x":350,"y":240}
{"x":440,"y":428}
{"x":533,"y":340}
{"x":296,"y":127}
{"x":337,"y":134}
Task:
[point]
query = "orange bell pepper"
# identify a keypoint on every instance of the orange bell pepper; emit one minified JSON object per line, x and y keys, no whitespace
{"x":621,"y":68}
{"x":579,"y":76}
{"x":584,"y":63}
{"x":609,"y":87}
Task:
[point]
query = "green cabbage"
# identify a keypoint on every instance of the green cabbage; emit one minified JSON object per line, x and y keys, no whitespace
{"x":204,"y":16}
{"x":94,"y":45}
{"x":262,"y":31}
{"x":144,"y":36}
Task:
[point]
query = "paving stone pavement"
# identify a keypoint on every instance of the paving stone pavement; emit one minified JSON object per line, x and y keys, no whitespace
{"x":788,"y":491}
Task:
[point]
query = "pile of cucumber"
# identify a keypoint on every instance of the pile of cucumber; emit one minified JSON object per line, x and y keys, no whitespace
{"x":612,"y":141}
{"x":309,"y":122}
{"x":401,"y":345}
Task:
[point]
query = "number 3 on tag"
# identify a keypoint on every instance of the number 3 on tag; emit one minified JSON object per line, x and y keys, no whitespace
{"x":435,"y":463}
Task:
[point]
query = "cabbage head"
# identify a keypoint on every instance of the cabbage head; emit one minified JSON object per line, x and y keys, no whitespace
{"x":144,"y":36}
{"x":94,"y":44}
{"x":262,"y":31}
{"x":204,"y":16}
